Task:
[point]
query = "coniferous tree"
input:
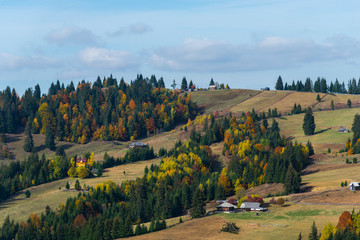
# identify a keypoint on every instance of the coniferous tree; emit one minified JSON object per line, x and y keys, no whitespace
{"x":313,"y":234}
{"x":318,"y":98}
{"x":28,"y":141}
{"x":198,"y":204}
{"x":292,"y":180}
{"x":279,"y":84}
{"x":349,"y":103}
{"x":211,"y":82}
{"x":50,"y":140}
{"x":309,"y":122}
{"x":356,"y":128}
{"x":332,"y":105}
{"x":184,"y":85}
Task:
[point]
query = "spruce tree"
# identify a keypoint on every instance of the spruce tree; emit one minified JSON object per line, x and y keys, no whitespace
{"x":332,"y":105}
{"x":279,"y":84}
{"x":309,"y":122}
{"x":318,"y":98}
{"x":198,"y":204}
{"x":356,"y":128}
{"x":211,"y":82}
{"x":349,"y":103}
{"x":313,"y":234}
{"x":49,"y":140}
{"x":28,"y":141}
{"x":292,"y":180}
{"x":184,"y":85}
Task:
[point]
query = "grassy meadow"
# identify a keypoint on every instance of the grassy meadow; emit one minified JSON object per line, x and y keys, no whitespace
{"x":48,"y":194}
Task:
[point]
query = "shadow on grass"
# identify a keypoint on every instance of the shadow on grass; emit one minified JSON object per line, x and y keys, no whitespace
{"x":305,"y":188}
{"x":321,"y":131}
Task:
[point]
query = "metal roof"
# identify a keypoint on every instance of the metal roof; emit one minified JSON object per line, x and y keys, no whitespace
{"x":227,"y":205}
{"x":250,"y":205}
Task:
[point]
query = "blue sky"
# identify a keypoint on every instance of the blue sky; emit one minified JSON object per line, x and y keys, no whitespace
{"x":246,"y":44}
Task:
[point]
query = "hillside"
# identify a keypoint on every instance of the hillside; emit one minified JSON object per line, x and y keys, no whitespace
{"x":238,"y":100}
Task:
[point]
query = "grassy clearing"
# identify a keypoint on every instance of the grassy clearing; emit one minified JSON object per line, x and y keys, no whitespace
{"x":19,"y":207}
{"x":219,"y":100}
{"x":327,"y":124}
{"x":278,"y":223}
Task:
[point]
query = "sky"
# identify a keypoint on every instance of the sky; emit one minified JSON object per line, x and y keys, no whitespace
{"x":244,"y":43}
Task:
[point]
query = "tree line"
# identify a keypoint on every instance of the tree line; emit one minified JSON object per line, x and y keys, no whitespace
{"x":320,"y":85}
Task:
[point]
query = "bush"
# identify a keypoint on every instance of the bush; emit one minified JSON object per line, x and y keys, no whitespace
{"x":354,"y":160}
{"x":77,"y":185}
{"x":273,"y":201}
{"x":230,"y":228}
{"x":67,"y":186}
{"x":280,"y":201}
{"x":27,"y":193}
{"x":83,"y":172}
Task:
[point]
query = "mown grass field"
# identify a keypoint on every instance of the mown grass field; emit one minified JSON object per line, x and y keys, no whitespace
{"x":278,"y":223}
{"x":19,"y":207}
{"x":220,"y":100}
{"x":327,"y":124}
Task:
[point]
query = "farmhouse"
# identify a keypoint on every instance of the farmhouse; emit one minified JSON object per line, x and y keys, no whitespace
{"x":137,"y":144}
{"x":354,"y":186}
{"x":226,"y":208}
{"x":214,"y":87}
{"x":81,"y":162}
{"x":343,"y":130}
{"x":252,"y":206}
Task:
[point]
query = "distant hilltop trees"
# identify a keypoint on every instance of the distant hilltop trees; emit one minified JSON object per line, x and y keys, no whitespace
{"x":320,"y":85}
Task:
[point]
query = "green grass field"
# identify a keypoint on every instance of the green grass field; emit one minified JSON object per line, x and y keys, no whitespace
{"x":327,"y":124}
{"x":221,"y":100}
{"x":19,"y":207}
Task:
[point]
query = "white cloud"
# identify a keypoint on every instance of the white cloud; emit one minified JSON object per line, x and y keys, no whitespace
{"x":206,"y":55}
{"x":135,"y":28}
{"x":108,"y":59}
{"x":71,"y":35}
{"x":14,"y":62}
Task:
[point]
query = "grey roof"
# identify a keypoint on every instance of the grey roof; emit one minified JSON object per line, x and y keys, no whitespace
{"x":250,"y":205}
{"x":137,"y":144}
{"x":355,"y":184}
{"x":227,"y":205}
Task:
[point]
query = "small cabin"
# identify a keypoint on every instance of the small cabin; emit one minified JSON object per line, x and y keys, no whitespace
{"x":226,"y":208}
{"x":81,"y":162}
{"x":353,"y":186}
{"x":137,"y":144}
{"x":343,"y":130}
{"x":214,"y":87}
{"x":265,"y":89}
{"x":252,"y":206}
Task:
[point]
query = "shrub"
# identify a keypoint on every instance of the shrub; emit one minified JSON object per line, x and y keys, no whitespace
{"x":273,"y":201}
{"x":354,"y":160}
{"x":77,"y":185}
{"x":83,"y":172}
{"x":230,"y":227}
{"x":280,"y":201}
{"x":27,"y":193}
{"x":67,"y":186}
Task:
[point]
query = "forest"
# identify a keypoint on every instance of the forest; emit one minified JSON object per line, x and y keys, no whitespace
{"x":186,"y":178}
{"x":320,"y":85}
{"x":106,"y":109}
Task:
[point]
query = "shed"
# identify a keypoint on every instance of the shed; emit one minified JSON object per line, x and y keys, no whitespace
{"x":137,"y":144}
{"x":354,"y":186}
{"x":343,"y":130}
{"x":251,"y":206}
{"x":226,"y":207}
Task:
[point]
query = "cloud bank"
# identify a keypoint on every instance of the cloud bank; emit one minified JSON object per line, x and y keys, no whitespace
{"x":71,"y":35}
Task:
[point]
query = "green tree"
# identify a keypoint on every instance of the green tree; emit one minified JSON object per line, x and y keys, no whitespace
{"x":173,"y":85}
{"x":309,"y":122}
{"x":184,"y":85}
{"x":318,"y":98}
{"x":191,"y":84}
{"x":67,"y":185}
{"x":356,"y":128}
{"x":77,"y":185}
{"x":211,"y":82}
{"x":349,"y":103}
{"x":313,"y":234}
{"x":198,"y":203}
{"x":279,"y":84}
{"x":332,"y":105}
{"x":27,"y":193}
{"x":292,"y":180}
{"x":28,"y":141}
{"x":49,"y":140}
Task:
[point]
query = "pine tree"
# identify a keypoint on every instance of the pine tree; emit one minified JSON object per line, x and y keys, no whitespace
{"x":332,"y":105}
{"x":309,"y":122}
{"x":279,"y":84}
{"x":28,"y":141}
{"x":198,"y":204}
{"x":318,"y":98}
{"x":356,"y":128}
{"x":211,"y":82}
{"x":49,"y":140}
{"x":313,"y":234}
{"x":173,"y":85}
{"x":349,"y":103}
{"x":184,"y":85}
{"x":292,"y":180}
{"x":191,"y":84}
